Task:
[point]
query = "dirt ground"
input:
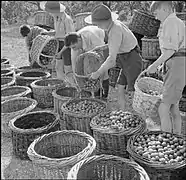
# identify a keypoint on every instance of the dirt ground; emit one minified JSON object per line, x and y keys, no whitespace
{"x":13,"y":47}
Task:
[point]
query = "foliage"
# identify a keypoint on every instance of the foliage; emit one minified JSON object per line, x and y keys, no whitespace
{"x":17,"y":11}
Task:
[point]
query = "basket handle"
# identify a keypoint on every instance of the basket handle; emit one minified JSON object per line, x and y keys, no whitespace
{"x":140,"y":75}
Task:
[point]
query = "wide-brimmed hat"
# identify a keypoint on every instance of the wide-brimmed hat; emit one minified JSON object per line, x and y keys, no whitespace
{"x":52,"y":6}
{"x":101,"y":13}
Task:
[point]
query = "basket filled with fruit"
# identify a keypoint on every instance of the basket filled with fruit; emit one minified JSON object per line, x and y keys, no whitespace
{"x":144,"y":23}
{"x":14,"y":107}
{"x":15,"y":91}
{"x":43,"y":50}
{"x":182,"y":108}
{"x":63,"y":94}
{"x":150,"y":48}
{"x":42,"y":91}
{"x":5,"y":60}
{"x":147,"y":95}
{"x":112,"y":129}
{"x":86,"y":64}
{"x":7,"y":81}
{"x":27,"y":77}
{"x":161,"y":154}
{"x":28,"y":127}
{"x":77,"y":113}
{"x":55,"y":153}
{"x":104,"y":167}
{"x":7,"y":72}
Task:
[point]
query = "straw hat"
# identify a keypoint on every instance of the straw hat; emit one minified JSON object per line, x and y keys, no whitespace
{"x":52,"y":6}
{"x":101,"y":13}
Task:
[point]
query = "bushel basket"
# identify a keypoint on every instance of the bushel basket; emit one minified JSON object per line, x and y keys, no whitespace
{"x":42,"y":91}
{"x":7,"y":81}
{"x":104,"y":167}
{"x":147,"y":95}
{"x":79,"y":20}
{"x":150,"y":48}
{"x":27,"y":77}
{"x":144,"y":23}
{"x":26,"y":128}
{"x":112,"y":130}
{"x":15,"y":91}
{"x":43,"y":50}
{"x":161,"y":154}
{"x":86,"y":64}
{"x":12,"y":108}
{"x":77,"y":113}
{"x":63,"y":94}
{"x":55,"y":153}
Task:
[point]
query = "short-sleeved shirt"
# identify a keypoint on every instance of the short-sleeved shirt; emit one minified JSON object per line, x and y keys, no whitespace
{"x":35,"y":31}
{"x":92,"y":36}
{"x":63,"y":25}
{"x":120,"y":38}
{"x":172,"y":33}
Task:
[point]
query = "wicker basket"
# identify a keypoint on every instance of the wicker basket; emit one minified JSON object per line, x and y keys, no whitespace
{"x":64,"y":94}
{"x":156,"y":170}
{"x":182,"y":108}
{"x":42,"y":91}
{"x":181,"y":15}
{"x":86,"y":64}
{"x":43,"y":50}
{"x":7,"y":81}
{"x":7,"y":72}
{"x":55,"y":153}
{"x":143,"y":23}
{"x":114,"y":74}
{"x":15,"y":91}
{"x":80,"y":121}
{"x":13,"y":108}
{"x":150,"y":48}
{"x":105,"y":167}
{"x":79,"y":20}
{"x":143,"y":103}
{"x":28,"y":127}
{"x":5,"y":61}
{"x":27,"y":68}
{"x":43,"y":18}
{"x":112,"y":141}
{"x":27,"y":77}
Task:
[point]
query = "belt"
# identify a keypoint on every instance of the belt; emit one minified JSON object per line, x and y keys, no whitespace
{"x":136,"y":48}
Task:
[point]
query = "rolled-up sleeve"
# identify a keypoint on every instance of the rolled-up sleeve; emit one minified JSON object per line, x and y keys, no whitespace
{"x":169,"y":38}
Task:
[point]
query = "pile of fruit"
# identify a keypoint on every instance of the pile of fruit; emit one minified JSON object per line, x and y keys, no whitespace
{"x":151,"y":92}
{"x":45,"y":60}
{"x":91,"y":84}
{"x":118,"y":120}
{"x":50,"y":48}
{"x":85,"y":107}
{"x":164,"y":148}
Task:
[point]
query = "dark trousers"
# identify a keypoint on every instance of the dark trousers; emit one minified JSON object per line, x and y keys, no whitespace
{"x":105,"y":90}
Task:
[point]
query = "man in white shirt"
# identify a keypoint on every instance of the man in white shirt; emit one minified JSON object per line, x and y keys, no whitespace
{"x":86,"y":39}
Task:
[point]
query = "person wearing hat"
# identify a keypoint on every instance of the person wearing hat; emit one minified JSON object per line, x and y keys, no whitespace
{"x":88,"y":39}
{"x":123,"y":46}
{"x":63,"y":24}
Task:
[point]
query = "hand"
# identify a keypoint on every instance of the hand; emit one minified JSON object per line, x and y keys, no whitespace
{"x":95,"y":75}
{"x":151,"y":69}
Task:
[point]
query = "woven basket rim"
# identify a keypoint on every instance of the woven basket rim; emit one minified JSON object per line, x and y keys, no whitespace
{"x":37,"y":130}
{"x":77,"y":100}
{"x":41,"y":71}
{"x":6,"y":60}
{"x":146,"y":161}
{"x":45,"y":161}
{"x":83,"y":13}
{"x":145,"y":38}
{"x":130,"y":131}
{"x":54,"y":93}
{"x":34,"y":103}
{"x":11,"y":71}
{"x":27,"y":90}
{"x":9,"y":83}
{"x":34,"y":85}
{"x":72,"y":174}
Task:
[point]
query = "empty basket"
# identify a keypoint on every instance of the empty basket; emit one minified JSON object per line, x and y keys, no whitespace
{"x":55,"y":153}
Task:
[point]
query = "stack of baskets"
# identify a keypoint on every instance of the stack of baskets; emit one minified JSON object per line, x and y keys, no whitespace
{"x":145,"y":24}
{"x":79,"y":20}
